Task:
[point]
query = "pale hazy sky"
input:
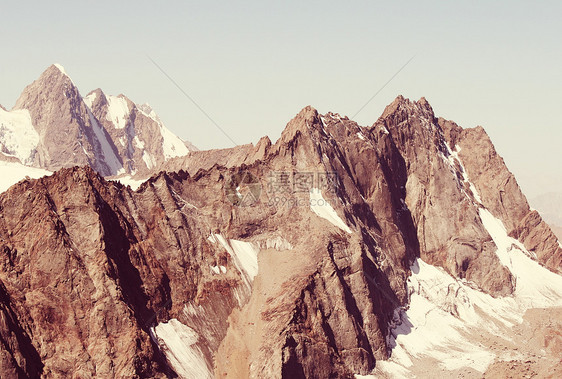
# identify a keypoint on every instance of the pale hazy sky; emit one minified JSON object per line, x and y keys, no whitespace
{"x":252,"y":65}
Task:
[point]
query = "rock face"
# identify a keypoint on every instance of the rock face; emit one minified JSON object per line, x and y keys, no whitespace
{"x":52,"y":126}
{"x":141,"y":139}
{"x":501,"y":193}
{"x":286,"y":260}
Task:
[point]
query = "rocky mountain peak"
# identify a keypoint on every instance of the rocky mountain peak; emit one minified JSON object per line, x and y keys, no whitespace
{"x":307,"y":119}
{"x":402,"y":108}
{"x":95,"y":99}
{"x":53,"y":84}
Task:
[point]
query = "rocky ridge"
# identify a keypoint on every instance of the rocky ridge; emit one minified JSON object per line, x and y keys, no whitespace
{"x":199,"y":274}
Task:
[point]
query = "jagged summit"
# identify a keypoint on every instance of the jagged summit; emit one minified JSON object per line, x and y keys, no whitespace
{"x":307,"y":118}
{"x":52,"y":83}
{"x":95,"y":95}
{"x":402,"y":107}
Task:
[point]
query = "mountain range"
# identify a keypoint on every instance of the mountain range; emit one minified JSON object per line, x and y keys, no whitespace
{"x":401,"y":249}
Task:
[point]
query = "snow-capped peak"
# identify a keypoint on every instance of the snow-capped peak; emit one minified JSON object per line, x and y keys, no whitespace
{"x":61,"y":68}
{"x":172,"y":145}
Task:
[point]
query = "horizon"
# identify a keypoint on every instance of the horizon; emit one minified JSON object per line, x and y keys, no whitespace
{"x":251,"y":67}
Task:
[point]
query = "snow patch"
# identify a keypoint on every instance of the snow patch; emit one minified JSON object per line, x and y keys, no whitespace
{"x":13,"y":172}
{"x":147,"y":110}
{"x":108,"y":155}
{"x":244,"y":254}
{"x":61,"y":69}
{"x":172,"y":145}
{"x":451,"y":159}
{"x":18,"y":137}
{"x":89,"y":100}
{"x":178,"y":342}
{"x":361,"y":136}
{"x":181,"y":200}
{"x":218,"y":270}
{"x":128,"y":180}
{"x":138,"y":143}
{"x":323,"y":209}
{"x":535,"y":285}
{"x":117,"y":111}
{"x":148,"y":160}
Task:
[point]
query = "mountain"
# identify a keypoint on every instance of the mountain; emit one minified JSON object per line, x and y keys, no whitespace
{"x":401,"y":249}
{"x":52,"y":126}
{"x":141,"y":139}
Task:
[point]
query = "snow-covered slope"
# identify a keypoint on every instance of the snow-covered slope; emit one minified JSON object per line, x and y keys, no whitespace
{"x":323,"y":209}
{"x":142,"y":140}
{"x":117,"y":111}
{"x":18,"y":137}
{"x":179,"y":343}
{"x":172,"y":145}
{"x":444,"y":311}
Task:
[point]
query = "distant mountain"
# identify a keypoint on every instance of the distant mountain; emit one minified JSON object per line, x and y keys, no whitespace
{"x":53,"y":126}
{"x":141,"y":139}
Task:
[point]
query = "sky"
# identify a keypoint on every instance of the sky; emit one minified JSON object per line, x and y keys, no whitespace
{"x":252,"y":65}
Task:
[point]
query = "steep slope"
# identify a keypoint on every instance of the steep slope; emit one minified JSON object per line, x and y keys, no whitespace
{"x":68,"y":132}
{"x":317,"y":256}
{"x":501,"y":193}
{"x":141,"y":138}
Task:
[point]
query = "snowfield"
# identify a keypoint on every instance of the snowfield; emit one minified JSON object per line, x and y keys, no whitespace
{"x":179,"y":344}
{"x":11,"y":173}
{"x":443,"y":310}
{"x":323,"y":209}
{"x":17,"y":134}
{"x":244,"y":254}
